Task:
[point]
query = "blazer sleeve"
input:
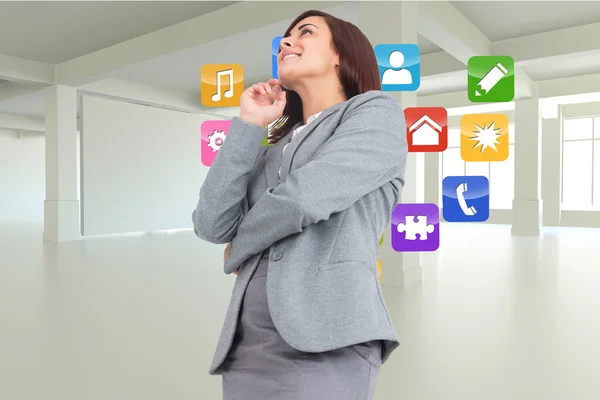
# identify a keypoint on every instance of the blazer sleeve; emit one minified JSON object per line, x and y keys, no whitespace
{"x":220,"y":204}
{"x":367,"y":150}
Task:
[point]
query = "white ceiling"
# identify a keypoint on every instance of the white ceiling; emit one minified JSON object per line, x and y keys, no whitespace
{"x":54,"y":32}
{"x":499,"y":20}
{"x":252,"y":49}
{"x":60,"y":31}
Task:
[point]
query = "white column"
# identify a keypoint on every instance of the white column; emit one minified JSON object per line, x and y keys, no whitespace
{"x":390,"y":23}
{"x":432,"y":178}
{"x":61,"y":208}
{"x":526,"y":203}
{"x":551,"y":168}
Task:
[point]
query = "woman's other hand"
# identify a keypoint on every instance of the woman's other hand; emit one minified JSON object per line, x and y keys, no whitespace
{"x":225,"y":257}
{"x":256,"y":103}
{"x":226,"y":251}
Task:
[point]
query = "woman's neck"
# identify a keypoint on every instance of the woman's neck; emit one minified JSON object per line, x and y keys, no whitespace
{"x":319,"y":97}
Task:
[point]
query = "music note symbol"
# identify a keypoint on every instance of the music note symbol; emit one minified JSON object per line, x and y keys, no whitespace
{"x":229,"y":92}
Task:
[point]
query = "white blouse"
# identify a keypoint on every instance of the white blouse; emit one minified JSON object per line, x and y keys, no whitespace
{"x":297,"y":131}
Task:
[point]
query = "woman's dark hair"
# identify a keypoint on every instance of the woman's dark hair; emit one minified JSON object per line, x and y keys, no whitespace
{"x":358,"y":71}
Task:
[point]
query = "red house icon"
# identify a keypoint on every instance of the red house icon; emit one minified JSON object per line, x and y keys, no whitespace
{"x":426,"y":129}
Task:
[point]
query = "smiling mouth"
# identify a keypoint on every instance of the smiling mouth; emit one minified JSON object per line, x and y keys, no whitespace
{"x":291,"y":55}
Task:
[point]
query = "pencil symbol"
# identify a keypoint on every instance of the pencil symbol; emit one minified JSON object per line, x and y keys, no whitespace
{"x":490,"y":79}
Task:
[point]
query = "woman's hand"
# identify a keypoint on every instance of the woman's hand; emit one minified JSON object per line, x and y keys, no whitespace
{"x":256,"y":103}
{"x":226,"y":251}
{"x":225,"y":257}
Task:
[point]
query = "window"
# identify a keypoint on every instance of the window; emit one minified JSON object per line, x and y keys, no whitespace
{"x":578,"y":129}
{"x":454,"y":138}
{"x":452,"y":164}
{"x":500,"y":174}
{"x":478,"y":168}
{"x":581,"y":164}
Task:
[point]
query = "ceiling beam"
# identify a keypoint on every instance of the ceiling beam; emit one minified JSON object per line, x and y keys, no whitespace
{"x":570,"y":86}
{"x":12,"y":90}
{"x":17,"y":69}
{"x":577,"y":86}
{"x":444,"y":25}
{"x":439,"y":63}
{"x":457,"y":81}
{"x":139,"y":93}
{"x":525,"y":87}
{"x":25,"y":134}
{"x":547,"y":47}
{"x":541,"y":47}
{"x":148,"y":95}
{"x":20,"y":122}
{"x":225,"y":22}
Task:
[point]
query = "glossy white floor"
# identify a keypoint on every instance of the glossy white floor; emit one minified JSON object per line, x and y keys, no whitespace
{"x":138,"y":316}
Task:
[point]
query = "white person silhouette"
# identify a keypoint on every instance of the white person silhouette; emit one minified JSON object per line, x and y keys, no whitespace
{"x":396,"y":77}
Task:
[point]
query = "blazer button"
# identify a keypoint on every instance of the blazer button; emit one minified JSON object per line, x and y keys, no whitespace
{"x":277,"y":256}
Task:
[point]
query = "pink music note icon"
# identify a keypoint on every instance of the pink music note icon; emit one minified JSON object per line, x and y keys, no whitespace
{"x":229,"y":92}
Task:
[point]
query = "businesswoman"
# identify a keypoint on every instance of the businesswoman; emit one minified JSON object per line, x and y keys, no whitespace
{"x":307,"y":319}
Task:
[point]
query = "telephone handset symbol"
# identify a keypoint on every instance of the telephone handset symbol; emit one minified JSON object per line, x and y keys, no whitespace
{"x":460,"y":196}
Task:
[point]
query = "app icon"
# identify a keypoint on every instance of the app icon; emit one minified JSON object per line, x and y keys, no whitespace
{"x":416,"y":227}
{"x":212,"y":137}
{"x":399,"y":66}
{"x":265,"y":141}
{"x":274,"y":52}
{"x":484,"y":137}
{"x":491,"y":79}
{"x":426,"y":129}
{"x":221,"y":85}
{"x":466,"y":198}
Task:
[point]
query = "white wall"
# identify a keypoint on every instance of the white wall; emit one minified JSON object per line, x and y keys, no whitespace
{"x":141,"y":167}
{"x":22,"y":174}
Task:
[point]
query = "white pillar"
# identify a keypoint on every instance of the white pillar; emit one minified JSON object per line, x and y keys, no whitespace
{"x":551,"y":168}
{"x":390,"y":23}
{"x":61,"y":208}
{"x":526,"y":203}
{"x":432,"y":178}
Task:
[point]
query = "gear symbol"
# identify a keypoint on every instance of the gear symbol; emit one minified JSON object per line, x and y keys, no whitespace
{"x":216,"y":139}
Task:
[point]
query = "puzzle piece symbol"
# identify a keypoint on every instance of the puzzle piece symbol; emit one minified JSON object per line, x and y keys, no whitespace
{"x":415,"y":225}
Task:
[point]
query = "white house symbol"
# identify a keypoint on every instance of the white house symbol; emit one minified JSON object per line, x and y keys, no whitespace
{"x":425,"y":132}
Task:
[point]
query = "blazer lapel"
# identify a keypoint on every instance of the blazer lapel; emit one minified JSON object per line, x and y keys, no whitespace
{"x":273,"y":160}
{"x":286,"y":161}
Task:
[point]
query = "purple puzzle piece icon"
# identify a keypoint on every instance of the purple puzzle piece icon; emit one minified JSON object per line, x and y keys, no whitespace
{"x":416,"y":227}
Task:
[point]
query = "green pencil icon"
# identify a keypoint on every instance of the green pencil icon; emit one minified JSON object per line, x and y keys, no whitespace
{"x":491,"y":79}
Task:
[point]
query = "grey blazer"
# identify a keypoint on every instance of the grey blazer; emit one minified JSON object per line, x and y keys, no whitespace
{"x":340,"y":180}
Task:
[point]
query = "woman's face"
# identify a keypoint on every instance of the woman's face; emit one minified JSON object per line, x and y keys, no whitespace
{"x":306,"y":53}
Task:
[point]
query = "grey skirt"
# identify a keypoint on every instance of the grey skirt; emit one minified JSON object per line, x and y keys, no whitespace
{"x":261,"y":366}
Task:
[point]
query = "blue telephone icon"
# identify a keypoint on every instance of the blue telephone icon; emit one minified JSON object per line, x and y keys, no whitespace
{"x":465,"y":198}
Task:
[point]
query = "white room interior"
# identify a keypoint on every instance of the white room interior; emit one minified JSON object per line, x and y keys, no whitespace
{"x":105,"y":291}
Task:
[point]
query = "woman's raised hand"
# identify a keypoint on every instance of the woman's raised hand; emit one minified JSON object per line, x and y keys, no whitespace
{"x":258,"y":105}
